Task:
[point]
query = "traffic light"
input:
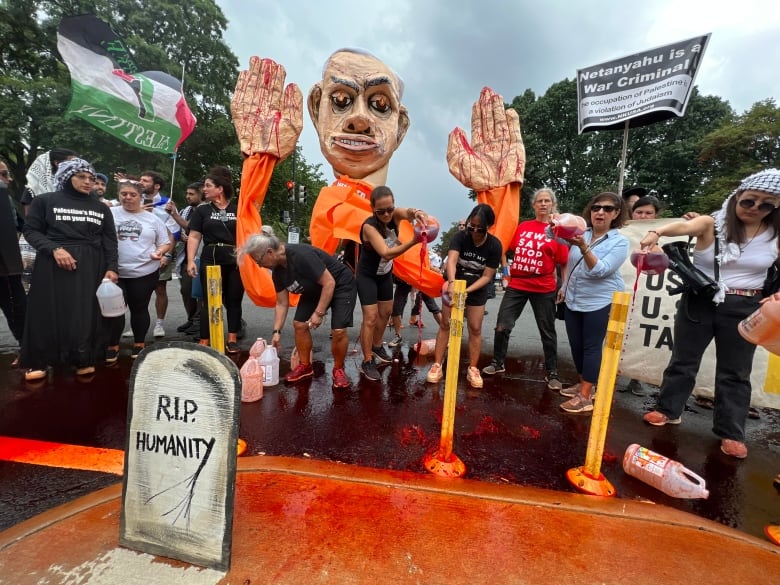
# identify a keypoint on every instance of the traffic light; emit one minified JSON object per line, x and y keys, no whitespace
{"x":301,"y":194}
{"x":291,"y":190}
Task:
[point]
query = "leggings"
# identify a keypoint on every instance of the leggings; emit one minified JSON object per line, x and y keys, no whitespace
{"x":232,"y":295}
{"x":138,"y":292}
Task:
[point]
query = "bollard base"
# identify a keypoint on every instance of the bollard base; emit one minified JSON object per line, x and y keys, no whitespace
{"x":451,"y":467}
{"x":773,"y":533}
{"x":240,"y":447}
{"x":586,"y":483}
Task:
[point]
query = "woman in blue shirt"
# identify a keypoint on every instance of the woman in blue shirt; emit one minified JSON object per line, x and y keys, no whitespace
{"x":592,"y":275}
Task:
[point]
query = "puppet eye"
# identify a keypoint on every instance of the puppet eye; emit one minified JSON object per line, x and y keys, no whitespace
{"x":380,"y":103}
{"x":341,"y":100}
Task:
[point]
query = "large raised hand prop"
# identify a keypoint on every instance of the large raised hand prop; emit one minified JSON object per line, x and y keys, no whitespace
{"x":268,"y":118}
{"x":493,"y":164}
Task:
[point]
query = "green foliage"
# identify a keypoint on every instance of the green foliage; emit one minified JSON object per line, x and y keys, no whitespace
{"x":162,"y":35}
{"x":443,"y":246}
{"x":744,"y":145}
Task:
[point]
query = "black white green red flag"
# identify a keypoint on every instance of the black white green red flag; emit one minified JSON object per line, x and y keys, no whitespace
{"x":145,"y":109}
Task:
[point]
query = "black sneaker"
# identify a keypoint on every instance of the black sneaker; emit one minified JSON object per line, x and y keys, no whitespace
{"x":397,"y":340}
{"x":184,"y":326}
{"x":493,"y":368}
{"x":111,"y":356}
{"x":368,"y":369}
{"x":136,"y":351}
{"x":381,"y":355}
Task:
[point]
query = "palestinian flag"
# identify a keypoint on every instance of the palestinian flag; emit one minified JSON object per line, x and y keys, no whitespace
{"x":144,"y":109}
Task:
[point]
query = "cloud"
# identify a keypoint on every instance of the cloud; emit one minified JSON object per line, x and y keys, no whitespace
{"x":446,"y":51}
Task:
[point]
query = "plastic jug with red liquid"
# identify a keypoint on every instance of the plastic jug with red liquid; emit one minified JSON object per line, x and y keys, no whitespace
{"x":664,"y":474}
{"x":252,"y":373}
{"x":762,"y":327}
{"x":650,"y":262}
{"x":568,"y":225}
{"x":431,"y":229}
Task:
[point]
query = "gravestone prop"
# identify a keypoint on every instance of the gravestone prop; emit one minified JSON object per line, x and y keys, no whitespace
{"x":180,"y":457}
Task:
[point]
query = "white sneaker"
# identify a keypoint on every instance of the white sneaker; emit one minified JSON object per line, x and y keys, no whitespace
{"x":128,"y":333}
{"x":158,"y":329}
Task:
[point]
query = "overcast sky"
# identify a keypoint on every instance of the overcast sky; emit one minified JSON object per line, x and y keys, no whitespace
{"x":447,"y":50}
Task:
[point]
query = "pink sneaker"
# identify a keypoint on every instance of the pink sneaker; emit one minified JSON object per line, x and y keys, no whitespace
{"x":300,"y":372}
{"x":340,"y":379}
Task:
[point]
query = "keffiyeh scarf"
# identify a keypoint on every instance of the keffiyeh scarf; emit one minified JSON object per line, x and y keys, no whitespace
{"x":69,"y":168}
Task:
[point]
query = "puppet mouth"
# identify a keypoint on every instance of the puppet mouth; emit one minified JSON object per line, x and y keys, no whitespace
{"x":354,"y":144}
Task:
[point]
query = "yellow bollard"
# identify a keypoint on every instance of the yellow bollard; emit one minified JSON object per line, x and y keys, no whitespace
{"x":214,"y":308}
{"x":588,"y":478}
{"x":444,"y":462}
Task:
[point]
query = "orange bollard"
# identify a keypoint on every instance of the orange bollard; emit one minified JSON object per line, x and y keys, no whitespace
{"x":214,"y":307}
{"x":588,"y":478}
{"x":443,"y":462}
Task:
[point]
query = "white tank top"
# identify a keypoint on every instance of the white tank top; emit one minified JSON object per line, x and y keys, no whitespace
{"x":746,"y":272}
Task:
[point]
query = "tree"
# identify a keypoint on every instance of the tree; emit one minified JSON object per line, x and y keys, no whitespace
{"x":737,"y":149}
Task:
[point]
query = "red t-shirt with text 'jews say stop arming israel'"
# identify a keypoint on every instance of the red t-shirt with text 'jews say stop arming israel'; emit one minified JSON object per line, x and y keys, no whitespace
{"x":535,"y":256}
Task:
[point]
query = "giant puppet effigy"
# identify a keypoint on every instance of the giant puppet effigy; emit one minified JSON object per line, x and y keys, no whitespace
{"x":360,"y":120}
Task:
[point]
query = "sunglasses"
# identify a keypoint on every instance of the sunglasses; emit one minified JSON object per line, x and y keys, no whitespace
{"x":5,"y":174}
{"x":607,"y":208}
{"x":762,"y":207}
{"x":479,"y":230}
{"x":385,"y":211}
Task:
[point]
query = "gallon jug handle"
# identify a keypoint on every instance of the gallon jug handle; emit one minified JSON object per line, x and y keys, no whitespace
{"x":691,"y":475}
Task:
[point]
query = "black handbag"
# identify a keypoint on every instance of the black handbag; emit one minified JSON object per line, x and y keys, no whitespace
{"x":694,"y":280}
{"x":772,"y":282}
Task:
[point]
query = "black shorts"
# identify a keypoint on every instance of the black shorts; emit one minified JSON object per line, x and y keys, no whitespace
{"x":374,"y":289}
{"x":478,"y":297}
{"x":342,"y":306}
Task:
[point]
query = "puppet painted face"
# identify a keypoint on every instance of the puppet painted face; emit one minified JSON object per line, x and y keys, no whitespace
{"x":358,"y":115}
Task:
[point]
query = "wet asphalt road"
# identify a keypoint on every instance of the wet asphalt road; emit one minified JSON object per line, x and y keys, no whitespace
{"x":511,"y":431}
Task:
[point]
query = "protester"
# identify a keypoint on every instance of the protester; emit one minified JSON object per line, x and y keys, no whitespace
{"x":379,"y":246}
{"x":194,"y":198}
{"x":473,"y":256}
{"x":152,"y":182}
{"x":76,"y":242}
{"x":215,"y":225}
{"x":592,"y":276}
{"x":532,"y":278}
{"x":646,"y":207}
{"x":734,"y":246}
{"x":143,"y":240}
{"x":13,"y":299}
{"x":324,"y":284}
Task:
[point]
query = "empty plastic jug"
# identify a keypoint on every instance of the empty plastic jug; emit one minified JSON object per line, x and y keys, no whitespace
{"x":425,"y":347}
{"x":111,"y":299}
{"x":762,"y":327}
{"x":665,"y":474}
{"x":270,"y":363}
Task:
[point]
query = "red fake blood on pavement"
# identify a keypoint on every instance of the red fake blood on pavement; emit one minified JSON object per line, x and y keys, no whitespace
{"x":609,"y":457}
{"x":487,"y":425}
{"x":531,"y":432}
{"x":412,"y":434}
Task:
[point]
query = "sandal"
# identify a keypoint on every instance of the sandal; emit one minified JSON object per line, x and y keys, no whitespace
{"x":753,"y":413}
{"x":705,"y":402}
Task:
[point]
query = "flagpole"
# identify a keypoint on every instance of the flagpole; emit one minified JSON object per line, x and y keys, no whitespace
{"x":623,"y":159}
{"x":176,"y":152}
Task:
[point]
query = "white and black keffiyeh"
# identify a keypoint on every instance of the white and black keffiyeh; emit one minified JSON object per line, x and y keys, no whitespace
{"x":767,"y":181}
{"x":69,"y":168}
{"x":39,"y":176}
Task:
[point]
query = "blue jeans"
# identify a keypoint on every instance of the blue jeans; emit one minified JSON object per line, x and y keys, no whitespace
{"x":512,"y":305}
{"x":694,"y":329}
{"x":586,"y":331}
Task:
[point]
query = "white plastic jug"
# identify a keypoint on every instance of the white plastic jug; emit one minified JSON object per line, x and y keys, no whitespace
{"x":111,"y":299}
{"x":270,"y":362}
